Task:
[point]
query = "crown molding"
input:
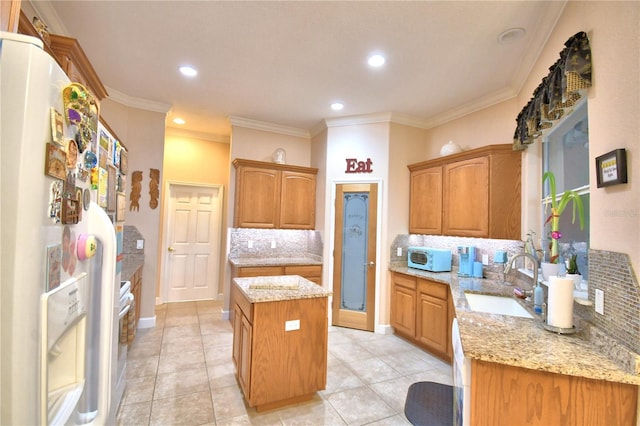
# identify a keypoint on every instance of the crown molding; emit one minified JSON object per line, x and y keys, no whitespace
{"x":455,"y":113}
{"x":138,"y":103}
{"x":210,"y":137}
{"x":269,"y":127}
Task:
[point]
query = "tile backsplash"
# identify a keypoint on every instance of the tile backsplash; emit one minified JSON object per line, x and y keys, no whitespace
{"x":289,"y":243}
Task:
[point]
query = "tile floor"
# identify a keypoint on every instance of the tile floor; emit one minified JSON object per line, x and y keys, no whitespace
{"x":181,"y":373}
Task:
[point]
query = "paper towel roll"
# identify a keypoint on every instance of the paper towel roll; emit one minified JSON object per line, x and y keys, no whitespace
{"x":560,"y":304}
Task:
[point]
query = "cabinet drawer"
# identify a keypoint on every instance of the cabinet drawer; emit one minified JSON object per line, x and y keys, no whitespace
{"x":404,"y":281}
{"x":433,"y":289}
{"x":304,"y":270}
{"x":260,"y":271}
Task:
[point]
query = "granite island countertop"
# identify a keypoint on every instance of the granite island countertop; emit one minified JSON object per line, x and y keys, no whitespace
{"x":523,"y":342}
{"x":241,"y":262}
{"x":279,"y":287}
{"x":130,"y":264}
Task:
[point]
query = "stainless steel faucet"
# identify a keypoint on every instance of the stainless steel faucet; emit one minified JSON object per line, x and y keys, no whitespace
{"x":535,"y":269}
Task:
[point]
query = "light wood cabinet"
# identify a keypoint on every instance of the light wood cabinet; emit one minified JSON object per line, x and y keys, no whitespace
{"x":507,"y":395}
{"x":276,"y":366}
{"x":403,"y":304}
{"x":274,"y":196}
{"x":474,"y":193}
{"x":136,"y":290}
{"x":422,"y":312}
{"x":432,"y":316}
{"x":310,"y":272}
{"x":426,"y":201}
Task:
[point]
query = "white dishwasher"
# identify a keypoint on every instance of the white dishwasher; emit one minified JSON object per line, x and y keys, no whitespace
{"x":461,"y":380}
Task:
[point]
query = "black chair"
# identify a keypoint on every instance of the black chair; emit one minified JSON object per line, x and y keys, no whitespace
{"x":429,"y":404}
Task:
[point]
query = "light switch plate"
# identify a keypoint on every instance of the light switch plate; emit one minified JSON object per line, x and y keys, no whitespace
{"x":399,"y":252}
{"x":485,"y":259}
{"x":139,"y":244}
{"x":273,"y":243}
{"x":599,"y":301}
{"x":250,"y":244}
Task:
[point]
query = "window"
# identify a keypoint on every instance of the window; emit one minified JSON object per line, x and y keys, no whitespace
{"x":565,"y":152}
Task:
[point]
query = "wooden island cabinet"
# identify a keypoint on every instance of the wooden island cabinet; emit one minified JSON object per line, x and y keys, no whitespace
{"x":274,"y":196}
{"x":474,"y":193}
{"x":280,"y":340}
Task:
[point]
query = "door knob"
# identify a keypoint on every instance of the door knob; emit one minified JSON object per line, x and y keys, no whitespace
{"x":371,"y":264}
{"x":171,"y":249}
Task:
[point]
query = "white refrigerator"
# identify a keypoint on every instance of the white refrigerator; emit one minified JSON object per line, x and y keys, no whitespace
{"x":58,"y":298}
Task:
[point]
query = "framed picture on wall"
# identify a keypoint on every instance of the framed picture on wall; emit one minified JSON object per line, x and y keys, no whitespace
{"x":611,"y":168}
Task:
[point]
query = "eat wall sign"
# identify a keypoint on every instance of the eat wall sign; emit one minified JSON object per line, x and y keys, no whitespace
{"x":355,"y":166}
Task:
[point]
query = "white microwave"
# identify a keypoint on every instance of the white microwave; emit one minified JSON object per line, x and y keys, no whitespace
{"x":429,"y":259}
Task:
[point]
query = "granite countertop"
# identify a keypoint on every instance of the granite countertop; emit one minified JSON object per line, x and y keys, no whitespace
{"x":130,"y":264}
{"x":273,"y":261}
{"x":523,"y":342}
{"x":279,"y":287}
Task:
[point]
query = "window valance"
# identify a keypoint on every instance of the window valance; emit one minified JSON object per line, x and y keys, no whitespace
{"x":557,"y":93}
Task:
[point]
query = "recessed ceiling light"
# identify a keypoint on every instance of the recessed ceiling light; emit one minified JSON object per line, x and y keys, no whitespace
{"x":188,"y":71}
{"x":510,"y":35}
{"x":337,"y":106}
{"x":376,"y":60}
{"x":178,"y":120}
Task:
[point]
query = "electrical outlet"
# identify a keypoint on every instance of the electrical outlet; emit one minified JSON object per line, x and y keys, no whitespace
{"x":485,"y":259}
{"x":250,"y":244}
{"x":139,"y":244}
{"x":399,"y":252}
{"x":273,"y":244}
{"x":599,"y":301}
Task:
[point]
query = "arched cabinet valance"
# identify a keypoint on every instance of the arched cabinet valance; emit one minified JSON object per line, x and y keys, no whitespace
{"x":557,"y":93}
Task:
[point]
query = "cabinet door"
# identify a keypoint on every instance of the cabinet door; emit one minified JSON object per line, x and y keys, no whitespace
{"x":425,"y":204}
{"x":298,"y":201}
{"x":432,"y":322}
{"x":432,"y":328}
{"x":466,"y":198}
{"x":403,"y":304}
{"x":244,"y":369}
{"x":257,"y":198}
{"x":237,"y":333}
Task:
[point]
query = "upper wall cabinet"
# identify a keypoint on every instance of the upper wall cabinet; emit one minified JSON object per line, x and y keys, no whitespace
{"x":274,"y":196}
{"x":72,"y":59}
{"x":474,"y":193}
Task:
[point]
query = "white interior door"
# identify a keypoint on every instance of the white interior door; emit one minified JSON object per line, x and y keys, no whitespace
{"x":193,"y":237}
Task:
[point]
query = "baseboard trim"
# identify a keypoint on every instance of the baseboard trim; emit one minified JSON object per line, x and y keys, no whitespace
{"x":225,"y":315}
{"x":149,"y":322}
{"x":384,"y":329}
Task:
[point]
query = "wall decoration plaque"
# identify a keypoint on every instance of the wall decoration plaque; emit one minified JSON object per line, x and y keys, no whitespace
{"x":611,"y":168}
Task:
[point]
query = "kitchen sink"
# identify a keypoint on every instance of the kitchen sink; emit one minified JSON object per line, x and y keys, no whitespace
{"x":496,"y":305}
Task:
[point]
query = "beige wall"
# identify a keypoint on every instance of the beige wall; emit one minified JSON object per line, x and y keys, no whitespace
{"x":142,"y":132}
{"x":194,"y":160}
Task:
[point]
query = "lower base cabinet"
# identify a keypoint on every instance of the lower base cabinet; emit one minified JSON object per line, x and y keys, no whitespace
{"x":275,"y":366}
{"x":422,"y":312}
{"x":507,"y":395}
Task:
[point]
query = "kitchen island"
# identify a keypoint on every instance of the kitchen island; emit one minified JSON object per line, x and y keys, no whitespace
{"x":280,"y":331}
{"x":524,"y":374}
